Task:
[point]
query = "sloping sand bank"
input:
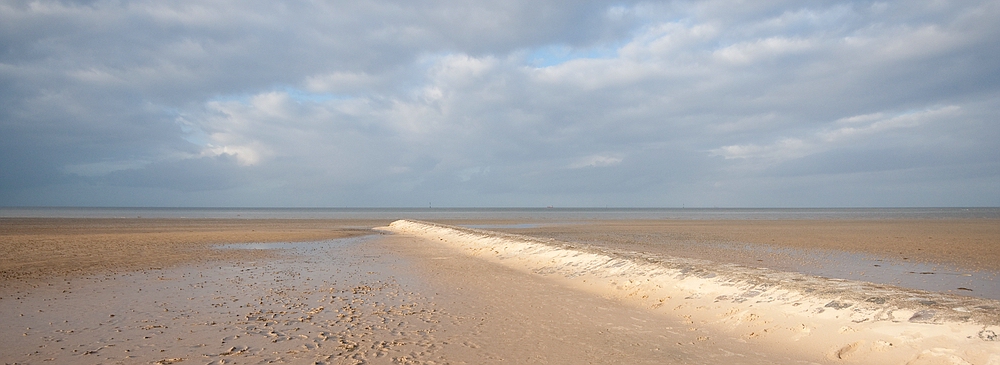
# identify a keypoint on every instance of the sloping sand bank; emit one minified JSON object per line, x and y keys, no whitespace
{"x":824,"y":320}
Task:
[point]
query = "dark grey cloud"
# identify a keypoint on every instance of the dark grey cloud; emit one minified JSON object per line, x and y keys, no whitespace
{"x":194,"y":174}
{"x":385,"y":103}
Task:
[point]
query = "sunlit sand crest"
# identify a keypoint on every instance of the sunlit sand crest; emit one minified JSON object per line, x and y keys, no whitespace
{"x":841,"y":319}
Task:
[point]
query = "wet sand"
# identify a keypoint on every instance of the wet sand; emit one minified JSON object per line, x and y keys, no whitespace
{"x":383,"y":299}
{"x":38,"y":248}
{"x":960,"y":256}
{"x":192,"y":291}
{"x":973,"y":244}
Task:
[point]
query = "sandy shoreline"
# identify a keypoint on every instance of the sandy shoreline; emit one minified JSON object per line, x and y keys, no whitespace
{"x":38,"y":248}
{"x":969,"y":243}
{"x":165,"y":291}
{"x":827,"y":319}
{"x":959,"y":256}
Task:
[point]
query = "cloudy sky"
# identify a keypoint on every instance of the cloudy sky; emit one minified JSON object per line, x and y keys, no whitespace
{"x":529,"y":103}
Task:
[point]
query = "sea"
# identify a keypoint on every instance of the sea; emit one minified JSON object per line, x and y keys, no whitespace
{"x":542,"y":214}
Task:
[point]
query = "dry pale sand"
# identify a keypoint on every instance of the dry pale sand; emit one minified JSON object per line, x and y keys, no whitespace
{"x":164,"y":291}
{"x":817,"y":320}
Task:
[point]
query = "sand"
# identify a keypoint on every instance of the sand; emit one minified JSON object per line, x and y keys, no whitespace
{"x":827,"y":320}
{"x":960,"y":256}
{"x":193,"y":291}
{"x":366,"y":299}
{"x":35,"y":248}
{"x":973,"y":244}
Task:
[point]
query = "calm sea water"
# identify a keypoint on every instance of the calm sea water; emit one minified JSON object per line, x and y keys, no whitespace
{"x":545,"y":214}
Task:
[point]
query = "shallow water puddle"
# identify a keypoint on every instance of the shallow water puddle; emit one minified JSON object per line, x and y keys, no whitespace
{"x":872,"y":268}
{"x":299,"y":247}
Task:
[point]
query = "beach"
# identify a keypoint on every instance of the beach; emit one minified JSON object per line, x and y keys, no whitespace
{"x":49,"y":247}
{"x":932,"y":254}
{"x":514,"y":291}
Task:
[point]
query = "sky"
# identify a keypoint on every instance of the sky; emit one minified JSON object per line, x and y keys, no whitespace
{"x":521,"y":103}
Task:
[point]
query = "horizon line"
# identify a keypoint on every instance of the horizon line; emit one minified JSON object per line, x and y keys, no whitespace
{"x":489,"y":207}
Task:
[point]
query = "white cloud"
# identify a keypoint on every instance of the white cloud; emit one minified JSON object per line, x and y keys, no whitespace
{"x":596,"y":161}
{"x":748,"y":52}
{"x":882,"y":125}
{"x":784,"y":149}
{"x":341,"y":82}
{"x":385,"y":100}
{"x":248,"y":154}
{"x":844,"y":133}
